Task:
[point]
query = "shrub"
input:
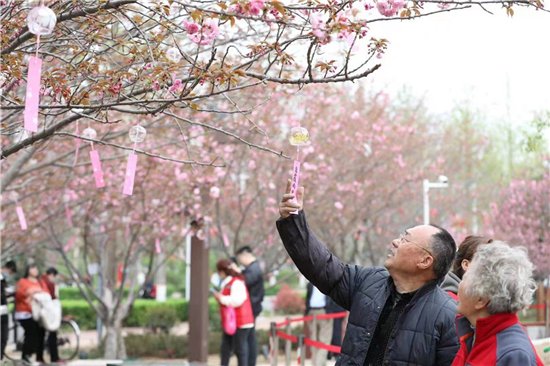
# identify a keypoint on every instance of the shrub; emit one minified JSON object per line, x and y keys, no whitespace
{"x":171,"y":346}
{"x":160,"y":318}
{"x":86,"y":317}
{"x":289,"y":301}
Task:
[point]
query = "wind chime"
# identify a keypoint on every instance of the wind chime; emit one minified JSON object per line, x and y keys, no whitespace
{"x":41,"y":21}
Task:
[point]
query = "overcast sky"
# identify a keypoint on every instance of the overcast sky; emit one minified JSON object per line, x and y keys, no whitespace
{"x":470,"y":55}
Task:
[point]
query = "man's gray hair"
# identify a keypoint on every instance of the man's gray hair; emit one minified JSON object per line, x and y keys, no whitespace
{"x":502,"y":274}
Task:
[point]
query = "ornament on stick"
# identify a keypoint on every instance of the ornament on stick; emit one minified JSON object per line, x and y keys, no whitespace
{"x":297,"y":136}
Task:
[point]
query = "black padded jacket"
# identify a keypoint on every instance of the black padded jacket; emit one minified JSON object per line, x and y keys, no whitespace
{"x":425,"y":333}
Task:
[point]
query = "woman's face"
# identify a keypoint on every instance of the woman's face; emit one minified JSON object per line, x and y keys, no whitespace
{"x":33,"y":272}
{"x":222,"y":274}
{"x":469,"y":306}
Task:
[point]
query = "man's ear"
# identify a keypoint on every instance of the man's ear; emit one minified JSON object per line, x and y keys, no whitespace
{"x":426,"y":262}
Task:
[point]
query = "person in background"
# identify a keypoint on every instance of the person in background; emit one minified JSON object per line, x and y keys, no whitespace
{"x":333,"y":308}
{"x":316,"y":304}
{"x":235,"y":294}
{"x":7,"y":271}
{"x":464,"y":255}
{"x":498,"y":284}
{"x":48,"y":282}
{"x":254,"y":279}
{"x":26,"y":287}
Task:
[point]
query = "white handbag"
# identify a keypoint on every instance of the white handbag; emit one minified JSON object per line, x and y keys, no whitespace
{"x":46,"y":312}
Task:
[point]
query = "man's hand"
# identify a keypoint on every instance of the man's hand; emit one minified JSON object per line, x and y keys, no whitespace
{"x":287,"y":205}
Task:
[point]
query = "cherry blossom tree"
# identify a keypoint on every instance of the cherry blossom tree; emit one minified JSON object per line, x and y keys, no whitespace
{"x":178,"y":58}
{"x":522,"y":217}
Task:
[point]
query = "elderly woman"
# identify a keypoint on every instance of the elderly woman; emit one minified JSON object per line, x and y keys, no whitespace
{"x":499,"y":283}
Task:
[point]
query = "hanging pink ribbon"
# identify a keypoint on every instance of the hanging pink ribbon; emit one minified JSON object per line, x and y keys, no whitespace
{"x":225,"y":240}
{"x":21,"y":216}
{"x":68,"y":213}
{"x":68,"y":246}
{"x":77,"y":146}
{"x":130,"y":174}
{"x":33,"y":94}
{"x":157,"y":245}
{"x":98,"y":172}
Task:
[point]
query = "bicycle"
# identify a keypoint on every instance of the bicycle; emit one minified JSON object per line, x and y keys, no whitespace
{"x":68,"y":340}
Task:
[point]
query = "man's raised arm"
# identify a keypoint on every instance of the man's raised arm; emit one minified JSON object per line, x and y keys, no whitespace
{"x":322,"y":268}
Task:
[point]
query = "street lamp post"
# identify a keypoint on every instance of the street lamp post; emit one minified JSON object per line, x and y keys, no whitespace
{"x":442,"y":182}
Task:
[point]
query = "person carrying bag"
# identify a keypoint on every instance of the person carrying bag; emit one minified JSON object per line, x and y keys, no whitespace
{"x":236,"y":314}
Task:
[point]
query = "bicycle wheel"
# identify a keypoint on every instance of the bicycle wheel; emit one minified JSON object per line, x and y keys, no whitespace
{"x":14,"y":346}
{"x":68,"y":339}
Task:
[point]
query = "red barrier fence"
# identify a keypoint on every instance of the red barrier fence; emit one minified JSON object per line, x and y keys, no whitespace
{"x":302,"y":341}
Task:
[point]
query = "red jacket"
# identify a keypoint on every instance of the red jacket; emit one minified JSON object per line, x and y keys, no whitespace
{"x":243,"y":312}
{"x":500,"y":340}
{"x":48,"y":285}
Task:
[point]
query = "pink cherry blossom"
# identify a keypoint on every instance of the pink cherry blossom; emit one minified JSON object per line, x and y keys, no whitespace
{"x":191,"y":28}
{"x":256,"y":7}
{"x":176,"y":86}
{"x":215,"y":192}
{"x":338,"y":205}
{"x":318,"y":27}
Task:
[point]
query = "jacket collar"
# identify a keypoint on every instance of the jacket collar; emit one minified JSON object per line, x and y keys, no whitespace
{"x":486,"y":327}
{"x":426,"y":289}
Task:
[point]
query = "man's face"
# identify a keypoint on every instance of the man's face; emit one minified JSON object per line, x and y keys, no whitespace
{"x":411,"y":248}
{"x":241,"y":258}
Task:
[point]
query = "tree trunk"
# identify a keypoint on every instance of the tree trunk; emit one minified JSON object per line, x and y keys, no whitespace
{"x":115,"y":349}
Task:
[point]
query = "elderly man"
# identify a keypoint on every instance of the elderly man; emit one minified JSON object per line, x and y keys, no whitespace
{"x":499,"y":283}
{"x":398,"y":315}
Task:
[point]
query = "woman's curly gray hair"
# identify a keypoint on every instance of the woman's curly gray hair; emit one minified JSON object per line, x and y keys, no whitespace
{"x":502,"y":274}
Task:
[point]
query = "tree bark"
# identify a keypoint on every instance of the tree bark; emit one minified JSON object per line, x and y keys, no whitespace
{"x":115,"y":349}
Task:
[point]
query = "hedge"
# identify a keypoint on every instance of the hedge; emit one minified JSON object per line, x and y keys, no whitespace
{"x":86,"y":318}
{"x":73,"y":293}
{"x":171,"y":346}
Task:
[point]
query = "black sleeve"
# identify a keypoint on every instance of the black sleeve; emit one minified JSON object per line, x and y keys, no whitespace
{"x":322,"y":268}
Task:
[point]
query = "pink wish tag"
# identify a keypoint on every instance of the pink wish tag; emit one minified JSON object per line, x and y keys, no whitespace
{"x":21,"y":215}
{"x":77,"y":147}
{"x":33,"y":94}
{"x":69,"y":244}
{"x":295,"y":181}
{"x":68,"y":212}
{"x":130,"y":174}
{"x":96,"y":165}
{"x":157,"y":245}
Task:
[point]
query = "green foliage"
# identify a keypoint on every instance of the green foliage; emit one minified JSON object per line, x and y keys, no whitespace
{"x":535,"y":140}
{"x":172,"y":346}
{"x":161,"y":318}
{"x":83,"y":314}
{"x":86,"y":317}
{"x":272,"y":291}
{"x":73,"y":293}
